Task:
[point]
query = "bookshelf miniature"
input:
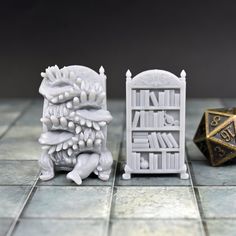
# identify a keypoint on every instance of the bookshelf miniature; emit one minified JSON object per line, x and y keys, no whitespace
{"x":155,"y":123}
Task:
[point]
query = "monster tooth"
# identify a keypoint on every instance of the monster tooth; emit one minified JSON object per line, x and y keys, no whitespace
{"x":72,"y":114}
{"x":86,"y":134}
{"x":76,"y":101}
{"x":43,"y":74}
{"x":92,"y":95}
{"x":83,"y":97}
{"x":86,"y":86}
{"x":102,"y":123}
{"x":61,"y":97}
{"x":89,"y":143}
{"x":70,"y":142}
{"x":100,"y":97}
{"x":77,"y":119}
{"x":71,"y":125}
{"x":59,"y":147}
{"x":75,"y":147}
{"x":65,"y":145}
{"x":67,"y":94}
{"x":65,"y":111}
{"x":54,"y":100}
{"x":82,"y":85}
{"x":49,"y":74}
{"x":89,"y":123}
{"x":75,"y":139}
{"x":69,"y":152}
{"x":52,"y":150}
{"x":78,"y":129}
{"x":98,"y":142}
{"x":57,"y":72}
{"x":82,"y":122}
{"x":81,"y":144}
{"x":54,"y":120}
{"x":81,"y":136}
{"x":63,"y":122}
{"x":72,"y":75}
{"x":92,"y":135}
{"x":69,"y":105}
{"x":78,"y":81}
{"x":96,"y":126}
{"x":45,"y":147}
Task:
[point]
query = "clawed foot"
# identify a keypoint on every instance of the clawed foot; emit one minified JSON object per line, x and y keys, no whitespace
{"x":46,"y":176}
{"x":104,"y":175}
{"x":74,"y":176}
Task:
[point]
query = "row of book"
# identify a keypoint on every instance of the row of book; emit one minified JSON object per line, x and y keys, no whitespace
{"x":148,"y":119}
{"x":157,"y":161}
{"x":145,"y":140}
{"x":146,"y":98}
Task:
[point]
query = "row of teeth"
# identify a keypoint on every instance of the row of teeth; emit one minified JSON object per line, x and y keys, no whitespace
{"x":74,"y":144}
{"x":73,"y":126}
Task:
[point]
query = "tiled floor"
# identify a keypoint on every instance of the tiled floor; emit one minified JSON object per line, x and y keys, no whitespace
{"x":145,"y":205}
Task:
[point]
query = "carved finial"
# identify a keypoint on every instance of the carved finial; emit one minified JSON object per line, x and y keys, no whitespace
{"x":128,"y":74}
{"x":183,"y":74}
{"x":101,"y":70}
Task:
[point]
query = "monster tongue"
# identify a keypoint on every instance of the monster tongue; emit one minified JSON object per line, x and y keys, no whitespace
{"x":95,"y":115}
{"x":55,"y":137}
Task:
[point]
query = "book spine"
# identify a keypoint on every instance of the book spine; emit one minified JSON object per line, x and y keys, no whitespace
{"x":137,"y":98}
{"x":163,"y":160}
{"x":161,"y":141}
{"x":142,"y":98}
{"x":142,"y":119}
{"x":172,"y":140}
{"x":136,"y":119}
{"x":150,"y":141}
{"x":147,"y":119}
{"x":155,"y":162}
{"x":172,"y":97}
{"x":176,"y":160}
{"x":172,"y":161}
{"x":167,"y":141}
{"x":155,"y":141}
{"x":177,"y":102}
{"x":151,"y":118}
{"x":154,"y":99}
{"x":138,"y":161}
{"x":147,"y":103}
{"x":161,"y":98}
{"x":167,"y":97}
{"x":134,"y":154}
{"x":151,"y":167}
{"x":155,"y":119}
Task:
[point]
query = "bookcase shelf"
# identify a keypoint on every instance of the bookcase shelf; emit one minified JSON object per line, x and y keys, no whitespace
{"x":155,"y":121}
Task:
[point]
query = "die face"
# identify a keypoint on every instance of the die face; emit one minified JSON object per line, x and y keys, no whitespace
{"x":218,"y":141}
{"x":201,"y":130}
{"x":215,"y":120}
{"x":220,"y":153}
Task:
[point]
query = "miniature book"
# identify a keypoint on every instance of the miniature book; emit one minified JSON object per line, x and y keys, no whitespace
{"x":155,"y":123}
{"x":75,"y":120}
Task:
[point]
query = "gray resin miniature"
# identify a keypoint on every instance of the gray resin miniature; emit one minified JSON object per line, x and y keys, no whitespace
{"x":75,"y":120}
{"x":155,"y":123}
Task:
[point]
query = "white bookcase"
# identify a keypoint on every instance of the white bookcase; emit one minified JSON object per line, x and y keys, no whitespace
{"x":155,"y":123}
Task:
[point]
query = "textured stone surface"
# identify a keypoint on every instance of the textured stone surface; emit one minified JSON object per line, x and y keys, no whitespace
{"x":60,"y":227}
{"x":155,"y":227}
{"x":18,"y":172}
{"x":5,"y":224}
{"x":154,"y":202}
{"x":218,"y":202}
{"x":221,"y":227}
{"x":69,"y":202}
{"x":12,"y":199}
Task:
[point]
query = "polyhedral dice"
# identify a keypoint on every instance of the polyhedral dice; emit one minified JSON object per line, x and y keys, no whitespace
{"x":215,"y":136}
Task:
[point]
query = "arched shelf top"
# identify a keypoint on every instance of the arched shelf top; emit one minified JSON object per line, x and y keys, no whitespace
{"x":155,"y":78}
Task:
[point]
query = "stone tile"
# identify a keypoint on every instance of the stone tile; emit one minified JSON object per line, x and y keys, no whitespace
{"x":193,"y":152}
{"x":92,"y":180}
{"x":59,"y":227}
{"x":11,"y":200}
{"x":205,"y":174}
{"x":218,"y":202}
{"x":18,"y":172}
{"x":69,"y":202}
{"x":21,"y":143}
{"x":219,"y":227}
{"x":154,"y":202}
{"x":229,"y":102}
{"x":149,"y":179}
{"x":10,"y":110}
{"x":5,"y":224}
{"x":155,"y":227}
